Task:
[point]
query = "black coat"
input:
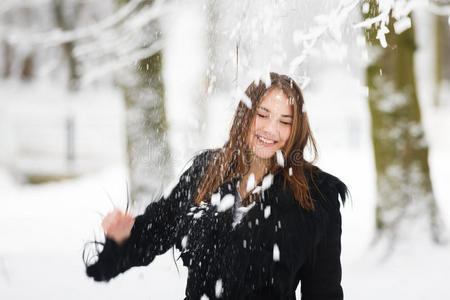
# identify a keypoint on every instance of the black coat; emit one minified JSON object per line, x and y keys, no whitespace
{"x":276,"y":244}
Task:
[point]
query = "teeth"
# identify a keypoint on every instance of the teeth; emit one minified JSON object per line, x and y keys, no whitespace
{"x":266,"y":140}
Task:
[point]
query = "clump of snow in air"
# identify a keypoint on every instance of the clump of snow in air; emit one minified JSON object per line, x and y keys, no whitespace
{"x":256,"y":190}
{"x":290,"y":171}
{"x":267,"y":211}
{"x":304,"y":82}
{"x":219,"y":288}
{"x":251,"y":182}
{"x":239,"y":94}
{"x":381,"y":35}
{"x":215,"y":199}
{"x":226,"y":203}
{"x":402,"y":25}
{"x":184,"y":241}
{"x":297,"y":61}
{"x":267,"y":181}
{"x":280,"y":158}
{"x":365,"y":7}
{"x":240,"y":212}
{"x":276,"y":253}
{"x":246,"y":100}
{"x":265,"y":77}
{"x":198,"y":214}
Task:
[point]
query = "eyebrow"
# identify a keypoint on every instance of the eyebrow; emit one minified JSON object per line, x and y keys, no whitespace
{"x":284,"y":116}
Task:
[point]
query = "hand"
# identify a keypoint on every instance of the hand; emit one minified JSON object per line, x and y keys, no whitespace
{"x":117,"y":226}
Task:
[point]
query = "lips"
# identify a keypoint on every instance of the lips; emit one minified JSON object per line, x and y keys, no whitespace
{"x":265,"y":141}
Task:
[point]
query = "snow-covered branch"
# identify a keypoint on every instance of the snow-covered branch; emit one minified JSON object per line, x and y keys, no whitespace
{"x":330,"y":23}
{"x":57,"y":36}
{"x":440,"y":9}
{"x":400,"y":9}
{"x":6,"y":5}
{"x":123,"y":61}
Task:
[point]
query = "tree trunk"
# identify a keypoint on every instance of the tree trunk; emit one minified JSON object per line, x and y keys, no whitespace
{"x":148,"y":151}
{"x":27,"y":68}
{"x":442,"y":63}
{"x":65,"y":22}
{"x":405,"y":199}
{"x":7,"y":59}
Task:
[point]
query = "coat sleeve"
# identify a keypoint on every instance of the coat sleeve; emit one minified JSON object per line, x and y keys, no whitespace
{"x":153,"y":232}
{"x":322,"y":277}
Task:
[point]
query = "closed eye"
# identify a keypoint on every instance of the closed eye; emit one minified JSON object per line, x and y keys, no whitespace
{"x":262,"y":116}
{"x":286,"y":123}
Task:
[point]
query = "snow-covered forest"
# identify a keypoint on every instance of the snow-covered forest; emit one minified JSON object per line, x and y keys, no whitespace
{"x":106,"y":100}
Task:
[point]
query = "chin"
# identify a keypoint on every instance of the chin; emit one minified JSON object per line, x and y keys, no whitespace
{"x":264,"y":153}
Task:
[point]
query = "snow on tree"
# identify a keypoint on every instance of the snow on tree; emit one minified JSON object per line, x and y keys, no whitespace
{"x":406,"y":205}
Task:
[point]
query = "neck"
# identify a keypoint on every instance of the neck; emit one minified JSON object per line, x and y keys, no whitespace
{"x":259,"y":167}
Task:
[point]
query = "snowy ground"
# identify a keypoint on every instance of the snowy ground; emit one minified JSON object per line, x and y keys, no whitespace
{"x":43,"y":227}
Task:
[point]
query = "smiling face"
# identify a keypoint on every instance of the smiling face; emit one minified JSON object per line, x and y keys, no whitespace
{"x":271,"y":125}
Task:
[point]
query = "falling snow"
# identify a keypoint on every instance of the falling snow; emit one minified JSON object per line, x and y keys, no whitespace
{"x":251,"y":182}
{"x":267,"y":212}
{"x":226,"y":202}
{"x":215,"y":199}
{"x":198,"y":214}
{"x":219,"y":288}
{"x":184,"y":241}
{"x":402,"y":25}
{"x":267,"y":182}
{"x":280,"y":158}
{"x":276,"y":253}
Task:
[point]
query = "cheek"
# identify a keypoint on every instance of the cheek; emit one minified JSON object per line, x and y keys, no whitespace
{"x":251,"y":133}
{"x":284,"y":134}
{"x":256,"y":125}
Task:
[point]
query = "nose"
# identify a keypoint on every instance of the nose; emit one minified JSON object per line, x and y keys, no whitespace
{"x":271,"y":127}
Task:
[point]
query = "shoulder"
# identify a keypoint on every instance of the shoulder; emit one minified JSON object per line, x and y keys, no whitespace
{"x":192,"y":172}
{"x":326,"y":186}
{"x":203,"y":157}
{"x":197,"y":165}
{"x":200,"y":161}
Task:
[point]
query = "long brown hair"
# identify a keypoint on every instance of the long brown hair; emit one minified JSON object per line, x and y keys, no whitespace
{"x":233,"y":158}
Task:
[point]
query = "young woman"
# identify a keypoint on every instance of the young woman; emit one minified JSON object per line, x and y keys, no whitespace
{"x":251,"y":219}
